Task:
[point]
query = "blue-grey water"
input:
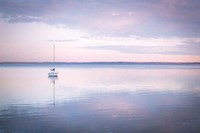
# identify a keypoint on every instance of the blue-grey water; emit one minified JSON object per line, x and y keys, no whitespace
{"x":100,"y":99}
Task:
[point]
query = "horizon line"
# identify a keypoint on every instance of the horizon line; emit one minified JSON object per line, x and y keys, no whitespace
{"x":93,"y":62}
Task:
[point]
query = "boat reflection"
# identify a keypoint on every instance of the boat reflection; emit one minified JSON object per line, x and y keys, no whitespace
{"x":53,"y":81}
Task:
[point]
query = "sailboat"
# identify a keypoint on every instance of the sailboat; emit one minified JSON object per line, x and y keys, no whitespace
{"x":53,"y":72}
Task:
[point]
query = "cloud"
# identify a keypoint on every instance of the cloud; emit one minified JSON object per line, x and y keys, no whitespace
{"x":189,"y":48}
{"x":150,"y":18}
{"x":115,"y":14}
{"x":64,"y":40}
{"x":192,"y":46}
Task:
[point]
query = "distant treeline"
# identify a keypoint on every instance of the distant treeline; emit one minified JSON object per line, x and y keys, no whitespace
{"x":107,"y":63}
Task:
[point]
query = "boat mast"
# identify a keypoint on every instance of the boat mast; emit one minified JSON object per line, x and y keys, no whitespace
{"x":54,"y":53}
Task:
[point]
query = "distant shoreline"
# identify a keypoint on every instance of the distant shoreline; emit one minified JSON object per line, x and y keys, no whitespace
{"x":104,"y":63}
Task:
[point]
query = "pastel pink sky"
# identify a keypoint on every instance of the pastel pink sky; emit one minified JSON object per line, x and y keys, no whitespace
{"x":107,"y":30}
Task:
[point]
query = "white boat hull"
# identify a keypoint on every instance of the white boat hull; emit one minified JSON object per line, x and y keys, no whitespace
{"x":53,"y":74}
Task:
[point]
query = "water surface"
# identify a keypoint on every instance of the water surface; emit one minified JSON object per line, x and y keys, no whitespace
{"x":92,"y":98}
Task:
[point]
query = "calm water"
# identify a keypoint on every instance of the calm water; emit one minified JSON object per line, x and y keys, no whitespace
{"x":100,"y":99}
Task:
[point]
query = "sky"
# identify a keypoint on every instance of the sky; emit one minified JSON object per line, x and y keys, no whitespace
{"x":100,"y":30}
